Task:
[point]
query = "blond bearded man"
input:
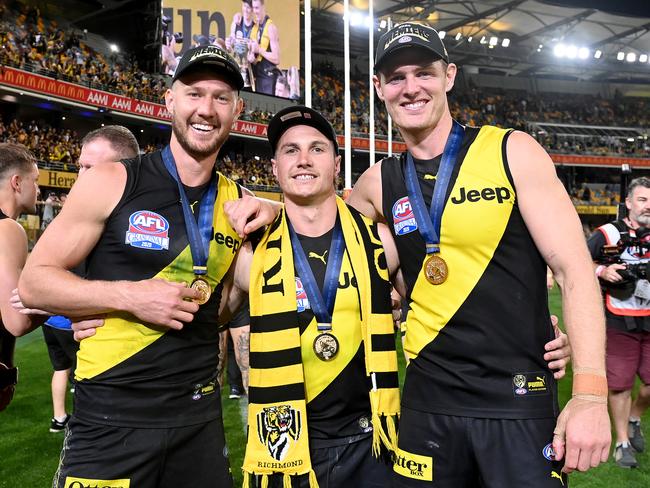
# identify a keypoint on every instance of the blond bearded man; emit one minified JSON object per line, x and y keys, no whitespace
{"x":147,"y":407}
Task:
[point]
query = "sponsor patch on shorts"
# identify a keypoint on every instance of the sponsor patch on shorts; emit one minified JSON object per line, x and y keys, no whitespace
{"x":413,"y":466}
{"x":71,"y":482}
{"x":548,"y":452}
{"x":530,"y":384}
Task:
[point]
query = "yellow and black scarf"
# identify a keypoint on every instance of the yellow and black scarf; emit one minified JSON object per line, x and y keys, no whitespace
{"x":278,"y":441}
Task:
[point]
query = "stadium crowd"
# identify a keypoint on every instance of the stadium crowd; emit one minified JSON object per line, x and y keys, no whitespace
{"x":33,"y":43}
{"x":49,"y":144}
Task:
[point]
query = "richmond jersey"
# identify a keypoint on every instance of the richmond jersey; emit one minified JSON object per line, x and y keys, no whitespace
{"x":476,"y":341}
{"x":338,"y":404}
{"x":131,"y":374}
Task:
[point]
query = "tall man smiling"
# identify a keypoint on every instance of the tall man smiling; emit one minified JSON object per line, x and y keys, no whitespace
{"x":474,"y":260}
{"x":147,"y":406}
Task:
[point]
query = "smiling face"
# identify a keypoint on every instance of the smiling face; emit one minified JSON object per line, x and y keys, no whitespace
{"x":305,"y":165}
{"x":414,"y":87}
{"x":259,"y":10}
{"x":203,"y":107}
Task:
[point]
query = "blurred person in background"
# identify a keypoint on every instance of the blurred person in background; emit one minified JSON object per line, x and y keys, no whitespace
{"x":264,"y":53}
{"x":104,"y":145}
{"x":627,"y":313}
{"x":18,"y":192}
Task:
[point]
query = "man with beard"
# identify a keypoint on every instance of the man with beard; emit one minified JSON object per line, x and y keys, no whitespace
{"x":147,"y":407}
{"x":18,"y":192}
{"x":627,"y":314}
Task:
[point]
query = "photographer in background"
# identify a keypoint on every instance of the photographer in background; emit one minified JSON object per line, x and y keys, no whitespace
{"x":620,"y":250}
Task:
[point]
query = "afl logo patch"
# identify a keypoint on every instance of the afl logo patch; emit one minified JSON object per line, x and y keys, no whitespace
{"x":302,"y":301}
{"x":404,"y":39}
{"x":548,"y":452}
{"x":403,"y":219}
{"x":148,"y":230}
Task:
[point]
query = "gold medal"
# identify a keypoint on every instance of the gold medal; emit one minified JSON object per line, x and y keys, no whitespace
{"x":203,"y":287}
{"x":435,"y":270}
{"x":326,"y":346}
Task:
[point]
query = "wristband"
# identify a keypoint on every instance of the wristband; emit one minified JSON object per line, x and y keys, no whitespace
{"x":589,"y":384}
{"x":599,"y":270}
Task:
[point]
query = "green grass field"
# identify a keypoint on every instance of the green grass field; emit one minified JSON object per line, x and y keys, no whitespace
{"x":29,"y":453}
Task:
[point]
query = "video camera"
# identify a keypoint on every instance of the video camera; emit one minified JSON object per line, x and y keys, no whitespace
{"x":640,"y":244}
{"x":166,"y":35}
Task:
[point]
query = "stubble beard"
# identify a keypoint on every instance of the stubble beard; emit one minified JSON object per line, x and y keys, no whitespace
{"x":197,"y":152}
{"x":643,"y":220}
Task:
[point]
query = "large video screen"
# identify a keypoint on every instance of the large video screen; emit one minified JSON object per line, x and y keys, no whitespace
{"x":262,"y":35}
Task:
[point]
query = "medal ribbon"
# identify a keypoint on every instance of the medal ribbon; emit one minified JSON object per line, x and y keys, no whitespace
{"x":321,"y":304}
{"x":429,"y":223}
{"x":199,"y":235}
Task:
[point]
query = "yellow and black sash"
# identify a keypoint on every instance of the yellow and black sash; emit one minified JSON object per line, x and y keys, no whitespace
{"x":467,"y":255}
{"x":278,"y":440}
{"x":123,"y":335}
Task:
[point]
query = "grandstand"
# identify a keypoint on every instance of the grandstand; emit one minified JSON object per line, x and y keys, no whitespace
{"x":46,"y":55}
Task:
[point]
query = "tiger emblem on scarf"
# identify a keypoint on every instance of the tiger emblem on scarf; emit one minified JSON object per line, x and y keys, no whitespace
{"x":277,"y":426}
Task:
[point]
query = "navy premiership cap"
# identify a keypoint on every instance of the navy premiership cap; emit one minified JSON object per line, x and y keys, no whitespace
{"x":409,"y":34}
{"x":299,"y":115}
{"x":210,"y":57}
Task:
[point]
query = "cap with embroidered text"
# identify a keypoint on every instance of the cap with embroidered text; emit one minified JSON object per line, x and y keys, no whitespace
{"x":409,"y":34}
{"x":210,"y":57}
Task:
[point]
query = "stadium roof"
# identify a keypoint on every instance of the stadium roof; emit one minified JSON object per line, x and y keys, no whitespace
{"x":533,"y":28}
{"x":608,"y":26}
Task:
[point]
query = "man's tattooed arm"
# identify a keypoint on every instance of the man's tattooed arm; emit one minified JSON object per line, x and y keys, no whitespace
{"x":241,"y":341}
{"x":223,"y":356}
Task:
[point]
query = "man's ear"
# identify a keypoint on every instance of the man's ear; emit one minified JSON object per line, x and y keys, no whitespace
{"x":377,"y":82}
{"x":169,"y":101}
{"x":452,"y":70}
{"x":15,"y":181}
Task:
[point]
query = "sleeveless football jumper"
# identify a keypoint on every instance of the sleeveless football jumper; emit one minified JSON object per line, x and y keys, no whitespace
{"x":476,"y":341}
{"x":132,"y":374}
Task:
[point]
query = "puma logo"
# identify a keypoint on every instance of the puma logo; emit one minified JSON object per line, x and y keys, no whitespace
{"x":554,"y":474}
{"x":312,"y":254}
{"x":192,"y":205}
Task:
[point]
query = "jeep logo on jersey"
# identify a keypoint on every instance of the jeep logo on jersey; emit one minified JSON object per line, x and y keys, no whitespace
{"x":500,"y":194}
{"x":403,"y":218}
{"x":148,"y":230}
{"x":227,"y":241}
